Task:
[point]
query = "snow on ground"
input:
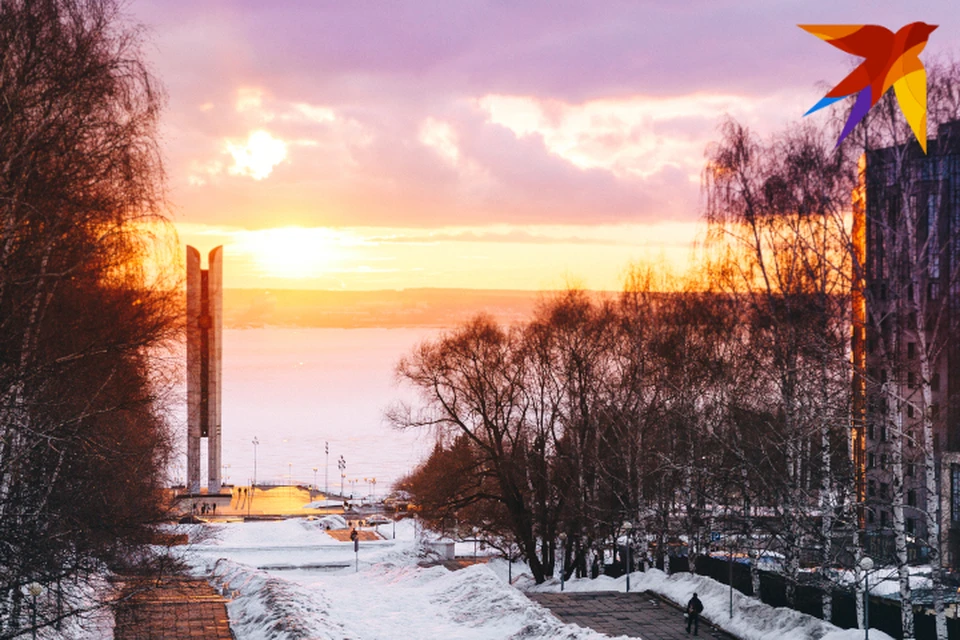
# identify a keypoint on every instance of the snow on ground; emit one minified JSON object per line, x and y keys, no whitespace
{"x":290,"y":580}
{"x":93,"y":620}
{"x":752,"y":620}
{"x":885,"y":581}
{"x":315,"y":596}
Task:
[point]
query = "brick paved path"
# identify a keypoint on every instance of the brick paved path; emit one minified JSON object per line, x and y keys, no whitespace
{"x":179,"y":609}
{"x":638,"y":615}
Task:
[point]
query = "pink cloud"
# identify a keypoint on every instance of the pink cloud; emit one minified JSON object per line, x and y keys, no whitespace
{"x":348,"y":86}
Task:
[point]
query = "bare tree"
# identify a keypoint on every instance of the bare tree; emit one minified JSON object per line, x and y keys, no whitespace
{"x":774,"y":237}
{"x":908,"y":281}
{"x":82,"y":318}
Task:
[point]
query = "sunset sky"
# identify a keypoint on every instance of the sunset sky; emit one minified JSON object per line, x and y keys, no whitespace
{"x":509,"y":145}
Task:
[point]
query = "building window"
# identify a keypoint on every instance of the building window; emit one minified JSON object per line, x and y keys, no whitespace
{"x":883,"y":518}
{"x":871,"y":488}
{"x":870,"y":518}
{"x":933,"y":289}
{"x":871,"y":461}
{"x":909,"y":410}
{"x":912,"y":380}
{"x":870,"y":432}
{"x":935,"y":382}
{"x":933,"y":241}
{"x":883,"y":434}
{"x":884,"y":490}
{"x":911,"y":350}
{"x":955,"y":492}
{"x":911,"y":469}
{"x":883,"y":461}
{"x":911,"y":525}
{"x":911,"y":498}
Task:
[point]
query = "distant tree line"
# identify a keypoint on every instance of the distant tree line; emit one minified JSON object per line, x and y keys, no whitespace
{"x":84,"y":321}
{"x":718,"y":402}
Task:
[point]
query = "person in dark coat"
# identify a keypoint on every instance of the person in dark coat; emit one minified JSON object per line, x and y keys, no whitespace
{"x":694,"y":609}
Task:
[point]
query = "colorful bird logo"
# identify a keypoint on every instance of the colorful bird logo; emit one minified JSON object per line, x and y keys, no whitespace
{"x":891,"y":59}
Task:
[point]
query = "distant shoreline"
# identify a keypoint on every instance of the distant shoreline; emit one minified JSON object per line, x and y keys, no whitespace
{"x":388,"y":309}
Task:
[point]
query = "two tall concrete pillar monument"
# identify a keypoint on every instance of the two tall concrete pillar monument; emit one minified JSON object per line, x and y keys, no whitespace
{"x":204,"y":355}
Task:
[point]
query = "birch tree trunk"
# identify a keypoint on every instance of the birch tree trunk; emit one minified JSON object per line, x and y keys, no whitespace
{"x":917,"y":268}
{"x":899,"y":529}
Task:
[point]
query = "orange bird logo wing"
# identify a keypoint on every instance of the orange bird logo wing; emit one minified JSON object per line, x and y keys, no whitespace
{"x":890,"y":59}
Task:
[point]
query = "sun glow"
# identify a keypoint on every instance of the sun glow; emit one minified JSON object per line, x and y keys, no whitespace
{"x":295,"y":253}
{"x":258,"y":155}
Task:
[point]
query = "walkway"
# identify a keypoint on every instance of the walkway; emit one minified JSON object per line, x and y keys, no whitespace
{"x":638,"y":615}
{"x":179,"y":609}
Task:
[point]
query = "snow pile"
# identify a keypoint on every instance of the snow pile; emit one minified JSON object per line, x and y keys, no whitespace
{"x":333,"y":522}
{"x":752,"y":619}
{"x":382,"y":602}
{"x":885,"y":581}
{"x":272,"y":608}
{"x":476,"y":597}
{"x":294,"y":532}
{"x":289,"y":580}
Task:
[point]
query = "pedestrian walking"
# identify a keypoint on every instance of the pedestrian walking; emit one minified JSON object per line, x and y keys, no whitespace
{"x":694,"y":608}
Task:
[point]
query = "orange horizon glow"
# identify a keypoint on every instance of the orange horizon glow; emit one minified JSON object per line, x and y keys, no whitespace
{"x":544,"y":257}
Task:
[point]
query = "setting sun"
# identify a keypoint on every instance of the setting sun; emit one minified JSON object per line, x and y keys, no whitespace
{"x":291,"y":252}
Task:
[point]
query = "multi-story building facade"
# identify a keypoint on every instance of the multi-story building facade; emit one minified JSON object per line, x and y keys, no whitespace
{"x":906,"y":347}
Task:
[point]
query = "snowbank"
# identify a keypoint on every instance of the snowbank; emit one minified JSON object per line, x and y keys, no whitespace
{"x":382,"y":603}
{"x":268,"y":607}
{"x":311,"y":588}
{"x":752,"y":619}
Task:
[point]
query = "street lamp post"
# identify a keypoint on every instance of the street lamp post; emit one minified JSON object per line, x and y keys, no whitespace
{"x":34,"y":589}
{"x":342,"y":465}
{"x":866,"y":563}
{"x":627,"y":527}
{"x":326,"y":470}
{"x":563,"y":546}
{"x":315,"y":478}
{"x":253,"y":485}
{"x":730,"y":571}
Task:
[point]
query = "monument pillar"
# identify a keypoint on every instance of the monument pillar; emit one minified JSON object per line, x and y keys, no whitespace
{"x":204,"y":355}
